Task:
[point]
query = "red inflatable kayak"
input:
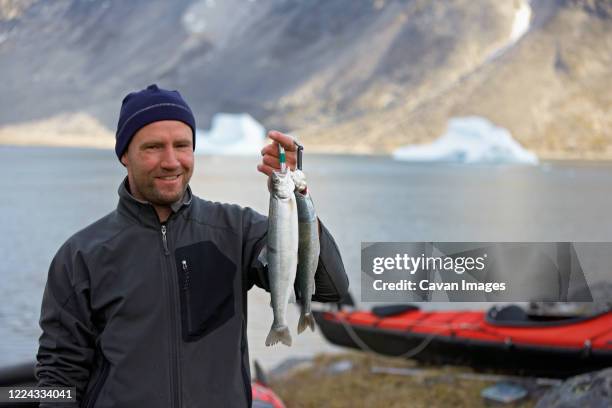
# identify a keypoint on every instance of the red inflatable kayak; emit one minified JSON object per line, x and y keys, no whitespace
{"x":264,"y":397}
{"x":503,"y":338}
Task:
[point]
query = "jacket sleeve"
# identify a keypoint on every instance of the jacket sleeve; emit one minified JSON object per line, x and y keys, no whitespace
{"x":331,"y":282}
{"x":66,"y":346}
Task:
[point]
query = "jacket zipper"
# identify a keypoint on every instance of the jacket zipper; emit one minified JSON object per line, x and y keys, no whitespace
{"x":186,"y":274}
{"x":186,"y":282}
{"x":175,"y":381}
{"x":246,"y":378}
{"x":165,"y":239}
{"x":92,"y":397}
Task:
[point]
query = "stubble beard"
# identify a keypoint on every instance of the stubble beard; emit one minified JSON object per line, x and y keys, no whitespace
{"x":157,"y":197}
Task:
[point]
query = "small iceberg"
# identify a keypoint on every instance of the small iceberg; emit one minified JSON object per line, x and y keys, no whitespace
{"x":471,"y":139}
{"x":231,"y":134}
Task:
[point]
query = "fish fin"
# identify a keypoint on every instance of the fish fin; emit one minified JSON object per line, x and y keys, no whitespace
{"x":263,"y":256}
{"x":279,"y":334}
{"x":306,"y":320}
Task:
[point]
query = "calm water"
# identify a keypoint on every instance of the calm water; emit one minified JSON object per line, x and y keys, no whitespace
{"x":48,"y":194}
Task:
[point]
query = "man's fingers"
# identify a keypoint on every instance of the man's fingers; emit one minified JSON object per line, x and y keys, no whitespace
{"x":271,"y":162}
{"x":271,"y":149}
{"x":285,"y":140}
{"x":267,"y":170}
{"x":274,"y":163}
{"x":291,"y":158}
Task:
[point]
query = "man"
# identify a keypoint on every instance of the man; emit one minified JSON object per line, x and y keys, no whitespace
{"x":147,"y":306}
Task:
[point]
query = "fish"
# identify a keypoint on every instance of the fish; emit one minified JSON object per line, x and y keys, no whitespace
{"x":308,"y":249}
{"x":282,"y":252}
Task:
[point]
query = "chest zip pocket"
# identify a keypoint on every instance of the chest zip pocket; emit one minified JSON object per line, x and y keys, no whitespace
{"x":206,"y":282}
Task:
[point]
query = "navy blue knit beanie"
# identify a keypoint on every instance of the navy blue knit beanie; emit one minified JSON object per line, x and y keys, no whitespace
{"x":149,"y":105}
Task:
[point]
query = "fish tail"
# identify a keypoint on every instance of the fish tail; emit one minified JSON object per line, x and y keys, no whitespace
{"x":306,"y":320}
{"x":277,"y":334}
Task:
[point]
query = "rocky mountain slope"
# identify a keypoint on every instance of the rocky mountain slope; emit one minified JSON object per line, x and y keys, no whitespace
{"x":551,"y":90}
{"x":345,"y":75}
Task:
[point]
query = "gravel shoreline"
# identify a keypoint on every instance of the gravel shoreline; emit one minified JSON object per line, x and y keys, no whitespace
{"x":352,"y":380}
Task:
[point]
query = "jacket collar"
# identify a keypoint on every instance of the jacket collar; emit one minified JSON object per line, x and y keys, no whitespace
{"x":143,"y":211}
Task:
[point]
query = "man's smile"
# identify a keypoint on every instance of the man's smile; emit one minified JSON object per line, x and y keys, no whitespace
{"x":169,"y":178}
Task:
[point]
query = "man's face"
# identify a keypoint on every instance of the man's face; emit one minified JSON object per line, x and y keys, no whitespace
{"x":159,"y":161}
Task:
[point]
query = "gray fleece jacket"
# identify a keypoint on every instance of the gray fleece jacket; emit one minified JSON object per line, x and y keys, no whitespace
{"x":138,"y":313}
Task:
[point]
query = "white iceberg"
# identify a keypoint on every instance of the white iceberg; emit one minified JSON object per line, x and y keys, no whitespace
{"x":231,"y":134}
{"x":471,"y":139}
